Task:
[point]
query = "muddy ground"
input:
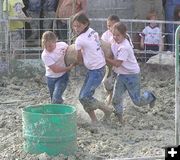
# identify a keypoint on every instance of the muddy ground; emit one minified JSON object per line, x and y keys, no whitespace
{"x":145,"y":132}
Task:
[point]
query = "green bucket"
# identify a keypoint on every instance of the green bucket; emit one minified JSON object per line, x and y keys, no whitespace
{"x":50,"y":128}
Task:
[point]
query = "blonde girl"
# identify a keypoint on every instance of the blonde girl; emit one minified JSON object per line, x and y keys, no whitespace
{"x":56,"y":70}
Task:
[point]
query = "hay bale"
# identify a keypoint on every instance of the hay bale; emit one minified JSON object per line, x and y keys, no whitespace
{"x":71,"y":54}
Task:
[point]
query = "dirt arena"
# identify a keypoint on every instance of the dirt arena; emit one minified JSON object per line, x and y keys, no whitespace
{"x":145,"y":131}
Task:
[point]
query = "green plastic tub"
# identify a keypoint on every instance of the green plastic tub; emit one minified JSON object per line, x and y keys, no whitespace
{"x":50,"y":128}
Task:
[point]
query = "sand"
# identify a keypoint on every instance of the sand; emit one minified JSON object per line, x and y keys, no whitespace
{"x":145,"y":132}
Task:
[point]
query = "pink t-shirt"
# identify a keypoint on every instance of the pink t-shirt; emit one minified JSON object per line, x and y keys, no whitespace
{"x":125,"y":53}
{"x":54,"y":57}
{"x":89,"y":44}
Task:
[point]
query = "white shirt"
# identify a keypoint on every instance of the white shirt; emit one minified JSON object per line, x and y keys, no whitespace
{"x":89,"y":44}
{"x":107,"y":36}
{"x":152,"y":35}
{"x":125,"y":53}
{"x":54,"y":57}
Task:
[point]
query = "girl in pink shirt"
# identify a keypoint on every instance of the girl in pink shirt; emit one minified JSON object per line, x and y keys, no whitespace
{"x":90,"y":53}
{"x":56,"y":70}
{"x":107,"y":36}
{"x":128,"y":73}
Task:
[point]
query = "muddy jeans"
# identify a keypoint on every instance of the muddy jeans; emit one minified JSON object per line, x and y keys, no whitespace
{"x":57,"y":87}
{"x":131,"y":83}
{"x":92,"y":81}
{"x":35,"y":24}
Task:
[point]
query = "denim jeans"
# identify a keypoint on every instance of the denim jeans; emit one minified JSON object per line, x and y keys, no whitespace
{"x":62,"y":31}
{"x":35,"y":24}
{"x":92,"y":81}
{"x":57,"y":87}
{"x":47,"y":24}
{"x":131,"y":83}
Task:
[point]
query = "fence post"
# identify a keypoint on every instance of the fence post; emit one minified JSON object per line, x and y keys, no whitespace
{"x":1,"y":17}
{"x":177,"y":87}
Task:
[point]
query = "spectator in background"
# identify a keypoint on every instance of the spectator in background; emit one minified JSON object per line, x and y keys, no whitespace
{"x":41,"y":9}
{"x":14,"y":11}
{"x":66,"y":9}
{"x":176,"y":18}
{"x":151,"y":36}
{"x":49,"y":8}
{"x":169,"y":11}
{"x":176,"y":15}
{"x":33,"y":10}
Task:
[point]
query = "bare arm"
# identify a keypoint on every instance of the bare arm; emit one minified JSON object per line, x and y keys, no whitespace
{"x":57,"y":9}
{"x":57,"y":69}
{"x":142,"y":43}
{"x":114,"y":62}
{"x":84,"y":6}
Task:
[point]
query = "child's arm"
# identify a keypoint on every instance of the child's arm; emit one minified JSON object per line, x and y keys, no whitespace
{"x":84,"y":6}
{"x":142,"y":43}
{"x":57,"y":69}
{"x":142,"y":36}
{"x":114,"y":62}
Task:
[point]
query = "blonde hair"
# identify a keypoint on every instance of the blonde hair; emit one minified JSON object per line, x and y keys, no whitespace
{"x":48,"y":36}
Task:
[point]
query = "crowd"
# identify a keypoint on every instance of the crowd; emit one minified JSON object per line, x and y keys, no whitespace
{"x":63,"y":9}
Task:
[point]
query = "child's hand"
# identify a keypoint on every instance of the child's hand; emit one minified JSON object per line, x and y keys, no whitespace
{"x":71,"y":66}
{"x":28,"y":19}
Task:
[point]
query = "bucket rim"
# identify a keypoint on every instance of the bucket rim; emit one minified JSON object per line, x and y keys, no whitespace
{"x":53,"y":105}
